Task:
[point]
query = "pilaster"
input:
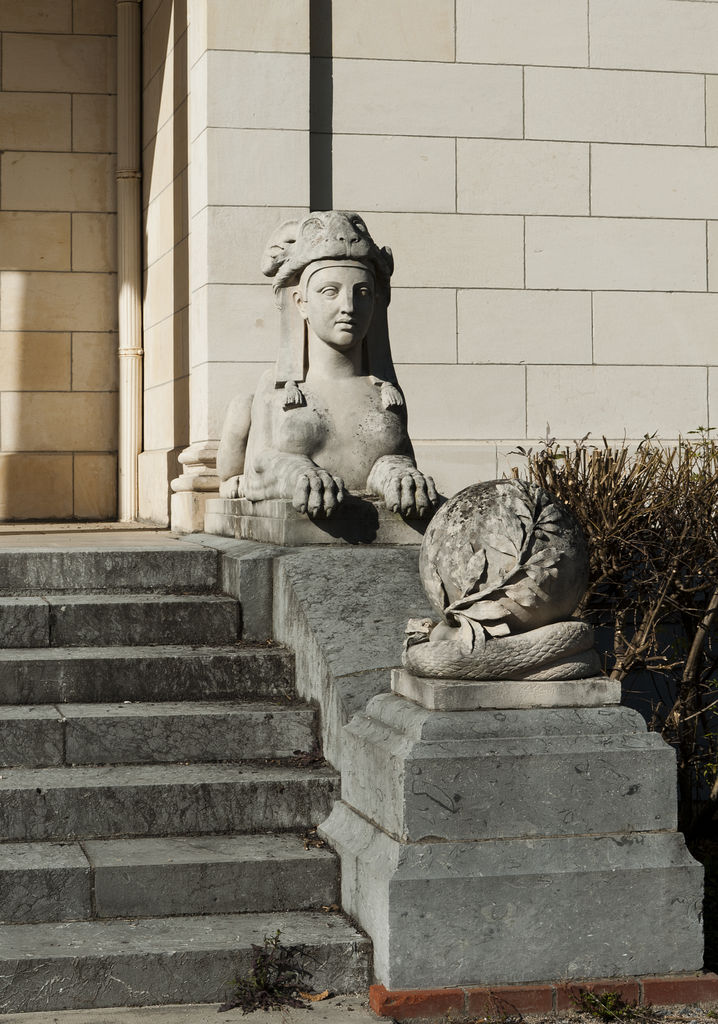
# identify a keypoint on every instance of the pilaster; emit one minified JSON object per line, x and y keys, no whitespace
{"x":249,"y":171}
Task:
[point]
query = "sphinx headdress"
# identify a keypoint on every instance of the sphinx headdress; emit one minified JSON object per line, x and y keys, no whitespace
{"x":328,"y":235}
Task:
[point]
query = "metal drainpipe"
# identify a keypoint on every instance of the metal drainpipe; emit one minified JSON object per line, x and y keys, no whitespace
{"x":129,"y":254}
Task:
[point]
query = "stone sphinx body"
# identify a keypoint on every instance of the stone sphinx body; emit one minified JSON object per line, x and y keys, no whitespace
{"x":329,"y":418}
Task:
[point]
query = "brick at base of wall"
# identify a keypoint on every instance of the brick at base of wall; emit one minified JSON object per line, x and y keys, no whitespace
{"x":498,"y":1001}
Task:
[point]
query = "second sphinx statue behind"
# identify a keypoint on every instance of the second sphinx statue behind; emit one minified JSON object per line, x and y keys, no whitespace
{"x":329,"y":418}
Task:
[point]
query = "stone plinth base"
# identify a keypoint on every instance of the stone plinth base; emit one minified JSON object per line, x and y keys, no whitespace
{"x":501,"y":1002}
{"x":357,"y":521}
{"x":187,"y":510}
{"x":471,"y":695}
{"x":506,"y":846}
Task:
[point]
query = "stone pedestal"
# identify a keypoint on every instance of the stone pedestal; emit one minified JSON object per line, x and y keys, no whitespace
{"x":192,"y":489}
{"x":495,"y":846}
{"x":357,"y":521}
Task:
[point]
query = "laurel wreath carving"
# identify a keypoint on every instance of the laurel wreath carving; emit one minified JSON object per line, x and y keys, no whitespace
{"x":512,"y":573}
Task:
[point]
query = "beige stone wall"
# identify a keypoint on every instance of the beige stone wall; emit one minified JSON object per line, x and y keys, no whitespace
{"x":249,"y":138}
{"x":545,"y":175}
{"x":166,"y":283}
{"x":58,"y":376}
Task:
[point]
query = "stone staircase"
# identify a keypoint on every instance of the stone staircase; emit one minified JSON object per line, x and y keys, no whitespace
{"x":153,"y":806}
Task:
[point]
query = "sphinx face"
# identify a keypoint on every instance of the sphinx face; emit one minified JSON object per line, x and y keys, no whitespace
{"x":339,"y":305}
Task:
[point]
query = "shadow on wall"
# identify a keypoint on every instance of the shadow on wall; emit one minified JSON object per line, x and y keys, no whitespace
{"x":58,"y":378}
{"x":165,"y":257}
{"x":321,"y":106}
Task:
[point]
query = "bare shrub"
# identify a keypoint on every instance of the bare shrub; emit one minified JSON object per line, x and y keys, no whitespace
{"x":650,"y":515}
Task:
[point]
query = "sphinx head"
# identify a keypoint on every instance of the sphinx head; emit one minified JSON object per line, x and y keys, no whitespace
{"x":329,"y":269}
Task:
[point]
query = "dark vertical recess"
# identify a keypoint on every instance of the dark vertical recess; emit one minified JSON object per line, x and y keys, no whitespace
{"x":321,"y":103}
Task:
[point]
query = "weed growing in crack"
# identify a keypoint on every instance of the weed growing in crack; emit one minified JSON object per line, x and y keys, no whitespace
{"x":273,"y":980}
{"x":608,"y":1006}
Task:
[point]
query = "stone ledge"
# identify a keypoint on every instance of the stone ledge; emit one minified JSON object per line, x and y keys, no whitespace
{"x":358,"y":521}
{"x":473,"y":695}
{"x":546,"y":997}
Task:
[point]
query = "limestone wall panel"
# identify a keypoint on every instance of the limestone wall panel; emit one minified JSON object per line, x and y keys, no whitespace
{"x":613,"y":253}
{"x":441,"y":250}
{"x":236,"y":156}
{"x":166,"y":410}
{"x":548,"y":193}
{"x":487,"y":402}
{"x":58,"y":294}
{"x":712,"y":110}
{"x":166,"y":284}
{"x":35,"y":121}
{"x":523,"y":32}
{"x":94,"y":241}
{"x":227,"y":241}
{"x":392,"y":97}
{"x":213,"y":385}
{"x":507,"y":176}
{"x":275,"y":26}
{"x":35,"y":361}
{"x":94,"y":361}
{"x":238,"y":321}
{"x":422,"y":323}
{"x":165,"y":156}
{"x":34,"y":241}
{"x":394,"y":172}
{"x":93,"y":478}
{"x":612,"y":399}
{"x":401,"y":30}
{"x":666,"y":328}
{"x":57,"y":63}
{"x":36,"y":16}
{"x":654,"y":181}
{"x":94,"y":123}
{"x":49,"y":301}
{"x":454,"y":466}
{"x":712,"y":232}
{"x":166,"y":350}
{"x":614,"y":106}
{"x":34,"y":486}
{"x":519,"y":326}
{"x":57,"y":181}
{"x":98,"y":17}
{"x":254,"y":90}
{"x":58,"y":421}
{"x":654,"y":34}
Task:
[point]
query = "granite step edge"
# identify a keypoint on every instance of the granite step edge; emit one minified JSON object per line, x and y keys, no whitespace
{"x":159,"y":877}
{"x":166,"y":960}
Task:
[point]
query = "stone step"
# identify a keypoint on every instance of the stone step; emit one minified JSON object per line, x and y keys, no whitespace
{"x":152,"y":733}
{"x":160,"y":673}
{"x":159,"y":800}
{"x":166,"y":960}
{"x":163,"y":877}
{"x":72,"y":620}
{"x":164,"y":567}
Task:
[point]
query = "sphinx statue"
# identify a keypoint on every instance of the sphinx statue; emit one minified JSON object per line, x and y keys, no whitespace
{"x":329,"y":418}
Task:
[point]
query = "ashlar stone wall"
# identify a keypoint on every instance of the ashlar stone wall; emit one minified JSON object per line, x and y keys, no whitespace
{"x":546,"y":174}
{"x":166,"y":250}
{"x":58,"y":377}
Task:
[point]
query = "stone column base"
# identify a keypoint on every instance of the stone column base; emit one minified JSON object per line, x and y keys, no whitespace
{"x":187,"y":511}
{"x":508,"y":846}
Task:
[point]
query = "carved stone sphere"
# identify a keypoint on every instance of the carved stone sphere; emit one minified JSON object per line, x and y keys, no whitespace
{"x":507,"y":554}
